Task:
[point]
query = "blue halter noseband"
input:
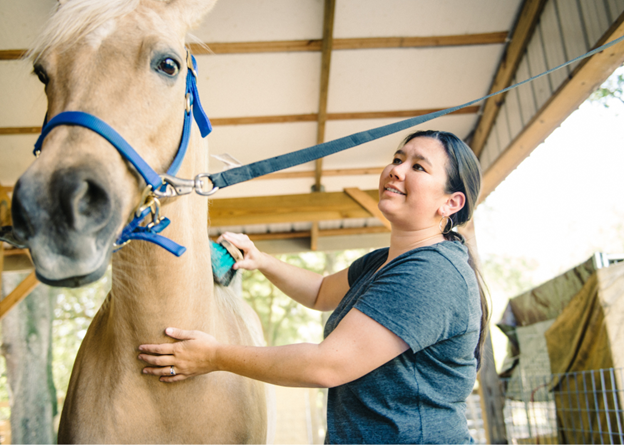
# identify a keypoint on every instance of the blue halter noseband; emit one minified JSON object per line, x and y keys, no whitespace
{"x":157,"y":185}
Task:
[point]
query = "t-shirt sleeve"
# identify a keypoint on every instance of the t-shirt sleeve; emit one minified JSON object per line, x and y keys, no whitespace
{"x":418,"y":298}
{"x":362,"y":264}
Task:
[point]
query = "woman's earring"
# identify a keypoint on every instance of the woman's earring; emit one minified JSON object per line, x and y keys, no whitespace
{"x":446,"y":220}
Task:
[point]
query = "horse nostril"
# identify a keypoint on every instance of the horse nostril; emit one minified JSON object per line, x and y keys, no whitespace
{"x":22,"y":228}
{"x":85,"y":204}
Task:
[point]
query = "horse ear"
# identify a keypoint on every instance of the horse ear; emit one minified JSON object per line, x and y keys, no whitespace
{"x":193,"y":11}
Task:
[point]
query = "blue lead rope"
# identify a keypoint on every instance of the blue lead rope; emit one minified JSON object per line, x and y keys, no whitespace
{"x":261,"y":168}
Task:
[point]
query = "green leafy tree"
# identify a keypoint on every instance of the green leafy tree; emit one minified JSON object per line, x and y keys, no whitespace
{"x":611,"y":89}
{"x":284,"y":321}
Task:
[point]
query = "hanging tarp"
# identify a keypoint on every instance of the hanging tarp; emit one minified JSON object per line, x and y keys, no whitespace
{"x":540,"y":304}
{"x":584,"y":346}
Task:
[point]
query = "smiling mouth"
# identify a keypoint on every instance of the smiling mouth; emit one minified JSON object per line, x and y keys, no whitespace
{"x":393,"y":190}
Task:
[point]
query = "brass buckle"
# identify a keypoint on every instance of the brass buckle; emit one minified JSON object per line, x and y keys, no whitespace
{"x":149,"y":201}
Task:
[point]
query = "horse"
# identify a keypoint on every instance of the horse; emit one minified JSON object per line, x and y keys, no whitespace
{"x":124,"y":62}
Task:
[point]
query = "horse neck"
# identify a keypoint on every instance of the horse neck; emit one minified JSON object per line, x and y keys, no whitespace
{"x":152,"y":288}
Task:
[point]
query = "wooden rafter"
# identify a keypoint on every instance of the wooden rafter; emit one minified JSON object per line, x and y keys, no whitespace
{"x":279,"y":119}
{"x":369,"y":203}
{"x":19,"y":293}
{"x":316,"y":44}
{"x":308,"y":207}
{"x":522,"y":33}
{"x":586,"y":77}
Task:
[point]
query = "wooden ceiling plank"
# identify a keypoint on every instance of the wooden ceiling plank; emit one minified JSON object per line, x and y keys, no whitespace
{"x":527,"y":21}
{"x":586,"y":77}
{"x":19,"y":293}
{"x":316,"y":44}
{"x":369,"y":203}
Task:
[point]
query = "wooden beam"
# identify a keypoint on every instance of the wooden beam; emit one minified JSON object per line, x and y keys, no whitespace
{"x":280,"y":119}
{"x":587,"y":76}
{"x":12,"y":54}
{"x":369,"y":203}
{"x":274,"y":46}
{"x":349,"y":231}
{"x":19,"y":130}
{"x":286,"y":118}
{"x":349,"y":44}
{"x":395,"y":114}
{"x":19,"y":293}
{"x":311,"y":173}
{"x":422,"y":42}
{"x":6,"y":189}
{"x":286,"y":209}
{"x":13,"y":252}
{"x":529,"y":16}
{"x":316,"y":44}
{"x":326,"y":52}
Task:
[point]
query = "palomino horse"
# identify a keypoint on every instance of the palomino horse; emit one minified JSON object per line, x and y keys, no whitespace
{"x":124,"y":61}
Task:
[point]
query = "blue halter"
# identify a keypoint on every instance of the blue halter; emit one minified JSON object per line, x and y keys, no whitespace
{"x":156,"y":185}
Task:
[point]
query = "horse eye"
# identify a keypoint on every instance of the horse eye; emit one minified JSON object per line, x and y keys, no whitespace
{"x":41,"y":74}
{"x":169,"y":66}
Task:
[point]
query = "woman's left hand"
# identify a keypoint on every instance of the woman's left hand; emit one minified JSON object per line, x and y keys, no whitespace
{"x":193,"y":355}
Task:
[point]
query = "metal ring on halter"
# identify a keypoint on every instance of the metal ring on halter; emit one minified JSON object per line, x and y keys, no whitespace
{"x":171,"y":370}
{"x":119,"y":246}
{"x":446,"y":219}
{"x":199,"y":185}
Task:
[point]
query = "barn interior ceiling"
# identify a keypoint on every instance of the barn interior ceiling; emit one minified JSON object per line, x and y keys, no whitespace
{"x":280,"y":75}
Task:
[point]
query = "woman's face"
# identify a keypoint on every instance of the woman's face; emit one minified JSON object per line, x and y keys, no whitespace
{"x":412,"y":188}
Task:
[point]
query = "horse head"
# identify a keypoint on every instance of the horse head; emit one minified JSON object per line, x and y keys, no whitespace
{"x":125,"y":62}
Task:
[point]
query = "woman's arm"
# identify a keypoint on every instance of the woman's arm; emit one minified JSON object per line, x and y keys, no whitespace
{"x":306,"y":287}
{"x":356,"y":347}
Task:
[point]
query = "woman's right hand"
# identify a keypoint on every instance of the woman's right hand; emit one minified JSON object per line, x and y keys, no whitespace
{"x":253,"y":259}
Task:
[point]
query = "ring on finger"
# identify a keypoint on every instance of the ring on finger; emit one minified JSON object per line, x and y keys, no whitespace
{"x":171,"y":370}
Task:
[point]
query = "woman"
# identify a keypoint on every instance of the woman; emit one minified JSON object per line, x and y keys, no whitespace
{"x":402,"y":348}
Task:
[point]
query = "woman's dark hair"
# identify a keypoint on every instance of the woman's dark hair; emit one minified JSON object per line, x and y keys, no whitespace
{"x":463,"y":175}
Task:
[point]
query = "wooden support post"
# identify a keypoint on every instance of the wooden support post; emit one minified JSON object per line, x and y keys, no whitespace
{"x":328,"y":39}
{"x":369,"y":203}
{"x":19,"y":293}
{"x":5,"y":220}
{"x":490,"y":393}
{"x":314,"y":236}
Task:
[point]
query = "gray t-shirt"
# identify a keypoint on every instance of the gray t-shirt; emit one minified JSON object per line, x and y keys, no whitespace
{"x":429,"y":298}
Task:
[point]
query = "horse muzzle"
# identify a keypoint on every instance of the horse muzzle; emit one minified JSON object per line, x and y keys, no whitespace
{"x":68,"y":222}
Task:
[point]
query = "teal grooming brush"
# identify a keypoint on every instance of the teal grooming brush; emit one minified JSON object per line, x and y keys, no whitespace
{"x":224,"y":255}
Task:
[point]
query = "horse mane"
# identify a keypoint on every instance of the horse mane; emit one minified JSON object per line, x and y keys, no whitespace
{"x":74,"y":19}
